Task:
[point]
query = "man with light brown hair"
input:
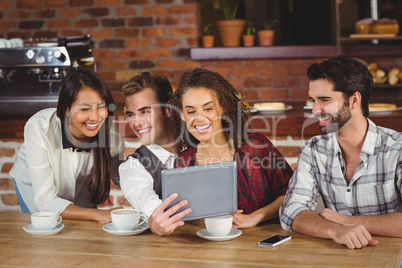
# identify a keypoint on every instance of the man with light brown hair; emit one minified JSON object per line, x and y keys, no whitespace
{"x":147,"y":97}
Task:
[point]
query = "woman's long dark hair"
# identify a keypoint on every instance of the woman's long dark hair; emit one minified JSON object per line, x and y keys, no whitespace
{"x":99,"y":182}
{"x":234,"y":111}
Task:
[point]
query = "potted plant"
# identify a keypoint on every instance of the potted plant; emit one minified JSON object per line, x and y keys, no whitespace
{"x":248,"y":38}
{"x":266,"y":36}
{"x":207,"y":38}
{"x":231,"y":28}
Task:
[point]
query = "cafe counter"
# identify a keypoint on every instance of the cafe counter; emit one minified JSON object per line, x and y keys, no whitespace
{"x":296,"y":121}
{"x":299,"y":121}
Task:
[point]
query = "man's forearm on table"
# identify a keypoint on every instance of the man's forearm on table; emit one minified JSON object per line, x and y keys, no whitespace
{"x":383,"y":225}
{"x":309,"y":223}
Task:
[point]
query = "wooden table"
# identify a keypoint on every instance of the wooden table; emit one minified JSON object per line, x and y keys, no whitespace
{"x":85,"y":244}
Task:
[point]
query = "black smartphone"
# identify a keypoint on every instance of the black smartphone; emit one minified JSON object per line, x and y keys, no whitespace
{"x":274,"y":240}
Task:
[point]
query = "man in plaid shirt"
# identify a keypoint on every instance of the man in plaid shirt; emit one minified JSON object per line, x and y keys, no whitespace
{"x":355,"y":166}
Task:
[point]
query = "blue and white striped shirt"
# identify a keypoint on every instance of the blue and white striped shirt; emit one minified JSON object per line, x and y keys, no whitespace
{"x":376,"y":186}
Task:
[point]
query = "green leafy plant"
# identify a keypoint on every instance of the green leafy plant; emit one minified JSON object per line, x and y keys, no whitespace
{"x":269,"y":24}
{"x":250,"y":30}
{"x":230,"y":7}
{"x":206,"y":29}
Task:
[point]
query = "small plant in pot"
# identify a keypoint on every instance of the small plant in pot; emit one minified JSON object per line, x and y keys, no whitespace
{"x":230,"y":28}
{"x":229,"y":8}
{"x":266,"y":36}
{"x":248,"y":37}
{"x":207,"y":38}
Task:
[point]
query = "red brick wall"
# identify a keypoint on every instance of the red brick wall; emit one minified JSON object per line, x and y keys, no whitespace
{"x":131,"y":35}
{"x":8,"y":150}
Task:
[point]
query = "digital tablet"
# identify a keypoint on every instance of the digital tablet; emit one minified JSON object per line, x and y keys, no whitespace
{"x":211,"y":190}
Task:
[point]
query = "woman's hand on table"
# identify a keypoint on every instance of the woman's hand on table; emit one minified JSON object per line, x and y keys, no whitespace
{"x":162,"y":222}
{"x":104,"y":215}
{"x":241,"y":220}
{"x":73,"y":212}
{"x":268,"y":212}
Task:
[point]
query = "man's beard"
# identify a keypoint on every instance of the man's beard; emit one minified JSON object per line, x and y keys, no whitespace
{"x":337,"y":121}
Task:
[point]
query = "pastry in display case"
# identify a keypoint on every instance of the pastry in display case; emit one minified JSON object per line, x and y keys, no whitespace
{"x":369,"y":27}
{"x":263,"y":106}
{"x":381,"y":77}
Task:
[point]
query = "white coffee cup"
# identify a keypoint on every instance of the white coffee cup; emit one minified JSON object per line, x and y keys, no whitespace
{"x":127,"y":219}
{"x":45,"y":220}
{"x":219,"y":226}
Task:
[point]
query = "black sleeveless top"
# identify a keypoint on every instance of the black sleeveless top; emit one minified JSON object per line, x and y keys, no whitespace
{"x":152,"y":164}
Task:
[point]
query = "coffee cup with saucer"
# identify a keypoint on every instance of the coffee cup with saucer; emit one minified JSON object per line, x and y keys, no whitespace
{"x":44,"y":223}
{"x":126,"y":222}
{"x":219,"y":229}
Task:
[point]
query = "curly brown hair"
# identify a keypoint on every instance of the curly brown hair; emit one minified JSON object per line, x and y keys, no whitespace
{"x":234,"y":111}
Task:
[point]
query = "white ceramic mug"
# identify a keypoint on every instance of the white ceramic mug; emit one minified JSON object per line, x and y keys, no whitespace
{"x":45,"y":220}
{"x":127,"y":219}
{"x":219,"y":226}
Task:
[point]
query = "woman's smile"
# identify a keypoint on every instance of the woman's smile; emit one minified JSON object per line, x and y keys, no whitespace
{"x":93,"y":126}
{"x":202,"y":114}
{"x":201,"y":129}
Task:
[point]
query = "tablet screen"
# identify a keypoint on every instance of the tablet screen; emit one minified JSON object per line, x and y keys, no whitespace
{"x":211,"y":190}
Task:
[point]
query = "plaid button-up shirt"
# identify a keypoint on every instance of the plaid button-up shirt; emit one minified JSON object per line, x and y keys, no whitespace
{"x":376,"y":186}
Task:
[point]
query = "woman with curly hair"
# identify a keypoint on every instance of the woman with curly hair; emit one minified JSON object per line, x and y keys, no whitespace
{"x":212,"y":126}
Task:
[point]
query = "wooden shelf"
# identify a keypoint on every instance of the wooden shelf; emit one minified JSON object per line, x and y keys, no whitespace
{"x":371,"y":50}
{"x":363,"y":38}
{"x":295,"y":52}
{"x":272,"y":52}
{"x":387,"y":86}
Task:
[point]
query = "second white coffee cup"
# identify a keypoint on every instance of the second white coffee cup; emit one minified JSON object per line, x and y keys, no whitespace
{"x":219,"y":226}
{"x":127,"y":219}
{"x":45,"y":220}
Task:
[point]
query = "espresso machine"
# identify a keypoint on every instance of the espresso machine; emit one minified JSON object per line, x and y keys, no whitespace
{"x":31,"y":75}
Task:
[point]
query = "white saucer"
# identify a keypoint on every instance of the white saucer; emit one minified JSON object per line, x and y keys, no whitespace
{"x":232,"y":234}
{"x":109,"y":227}
{"x":385,"y":112}
{"x":32,"y":231}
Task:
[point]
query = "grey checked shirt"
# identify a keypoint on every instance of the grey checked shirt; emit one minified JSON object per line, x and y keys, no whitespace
{"x":376,"y":186}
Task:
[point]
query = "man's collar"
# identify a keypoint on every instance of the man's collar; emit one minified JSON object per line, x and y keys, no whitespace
{"x":68,"y":144}
{"x":160,"y":151}
{"x":370,"y":139}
